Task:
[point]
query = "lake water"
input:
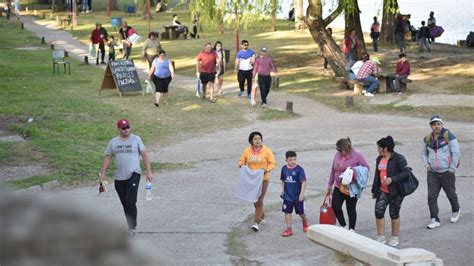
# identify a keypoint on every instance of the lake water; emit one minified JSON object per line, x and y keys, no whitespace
{"x":455,"y":16}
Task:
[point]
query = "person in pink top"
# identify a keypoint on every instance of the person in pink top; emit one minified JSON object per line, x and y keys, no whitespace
{"x":402,"y":71}
{"x":206,"y":69}
{"x":345,"y":157}
{"x":265,"y":68}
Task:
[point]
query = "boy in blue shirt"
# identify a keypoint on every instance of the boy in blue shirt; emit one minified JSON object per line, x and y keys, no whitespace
{"x":293,"y":185}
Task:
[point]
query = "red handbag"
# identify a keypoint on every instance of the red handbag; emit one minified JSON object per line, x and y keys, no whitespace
{"x":326,"y":213}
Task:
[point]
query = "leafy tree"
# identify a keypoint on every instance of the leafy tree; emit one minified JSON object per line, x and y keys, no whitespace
{"x":390,"y":12}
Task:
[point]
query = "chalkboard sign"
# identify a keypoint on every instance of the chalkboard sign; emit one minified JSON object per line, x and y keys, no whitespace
{"x":121,"y":75}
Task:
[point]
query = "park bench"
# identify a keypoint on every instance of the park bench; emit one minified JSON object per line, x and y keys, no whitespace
{"x":350,"y":247}
{"x":59,"y":59}
{"x":66,"y":21}
{"x":353,"y":84}
{"x":384,"y":80}
{"x":404,"y":83}
{"x":170,"y":33}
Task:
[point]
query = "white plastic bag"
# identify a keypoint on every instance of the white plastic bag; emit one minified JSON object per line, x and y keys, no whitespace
{"x":150,"y":87}
{"x":347,"y":176}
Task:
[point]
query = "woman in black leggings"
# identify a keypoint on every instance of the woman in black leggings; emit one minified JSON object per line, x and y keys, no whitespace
{"x":345,"y":157}
{"x":391,"y":169}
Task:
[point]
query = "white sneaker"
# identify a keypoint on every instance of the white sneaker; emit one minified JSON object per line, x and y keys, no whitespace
{"x":253,"y":103}
{"x":262,"y":222}
{"x":364,"y":91}
{"x":381,"y":239}
{"x":255,"y":227}
{"x":393,"y":241}
{"x":434,"y":224}
{"x":132,"y":233}
{"x":368,"y":94}
{"x":352,"y":230}
{"x":455,"y":216}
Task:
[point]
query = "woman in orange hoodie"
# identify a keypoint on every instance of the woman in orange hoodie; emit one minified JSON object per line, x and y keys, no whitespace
{"x":258,"y":156}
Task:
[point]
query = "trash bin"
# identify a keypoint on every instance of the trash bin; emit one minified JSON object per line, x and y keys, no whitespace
{"x":227,"y":55}
{"x":116,"y":22}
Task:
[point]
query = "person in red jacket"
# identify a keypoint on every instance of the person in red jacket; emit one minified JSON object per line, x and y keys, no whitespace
{"x":402,"y":71}
{"x":98,"y":37}
{"x":351,"y":45}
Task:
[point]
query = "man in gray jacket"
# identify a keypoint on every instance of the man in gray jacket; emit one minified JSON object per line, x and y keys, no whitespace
{"x":440,"y":155}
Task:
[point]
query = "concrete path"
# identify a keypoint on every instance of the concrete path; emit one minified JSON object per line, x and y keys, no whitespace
{"x":194,"y":219}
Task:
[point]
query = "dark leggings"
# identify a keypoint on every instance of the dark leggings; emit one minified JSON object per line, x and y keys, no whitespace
{"x":338,"y":199}
{"x":245,"y":75}
{"x":264,"y":82}
{"x":102,"y":53}
{"x":127,"y":191}
{"x":394,"y":202}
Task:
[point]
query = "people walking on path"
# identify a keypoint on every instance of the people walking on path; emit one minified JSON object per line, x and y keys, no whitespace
{"x":346,"y":157}
{"x":440,"y":155}
{"x":351,"y":46}
{"x":161,"y":73}
{"x":391,"y":168}
{"x":293,"y":186}
{"x":258,"y":156}
{"x":402,"y":71}
{"x":206,"y":68}
{"x":222,"y":65}
{"x":98,"y":37}
{"x":244,"y":61}
{"x":151,"y":48}
{"x":265,"y":68}
{"x":431,"y":24}
{"x":367,"y":74}
{"x":375,"y":34}
{"x":424,"y":35}
{"x":126,"y":149}
{"x":124,"y":34}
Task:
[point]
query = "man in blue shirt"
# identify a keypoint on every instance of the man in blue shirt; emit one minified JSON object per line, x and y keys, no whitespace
{"x":244,"y":61}
{"x":293,"y":185}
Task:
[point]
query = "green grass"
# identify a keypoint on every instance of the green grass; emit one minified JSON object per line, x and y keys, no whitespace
{"x":73,"y":123}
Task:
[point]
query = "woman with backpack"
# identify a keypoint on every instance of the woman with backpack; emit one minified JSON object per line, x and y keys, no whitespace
{"x":391,"y":168}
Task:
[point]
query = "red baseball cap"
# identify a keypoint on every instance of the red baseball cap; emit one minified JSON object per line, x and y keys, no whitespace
{"x":122,"y":123}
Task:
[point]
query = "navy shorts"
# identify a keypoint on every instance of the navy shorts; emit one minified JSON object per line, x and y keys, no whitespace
{"x":288,"y":206}
{"x":207,"y":77}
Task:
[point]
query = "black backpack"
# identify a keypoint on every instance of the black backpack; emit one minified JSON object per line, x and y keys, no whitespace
{"x":470,"y":39}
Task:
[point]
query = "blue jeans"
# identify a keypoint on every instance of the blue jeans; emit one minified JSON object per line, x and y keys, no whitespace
{"x":373,"y":83}
{"x":85,"y":5}
{"x":351,"y":55}
{"x":397,"y":81}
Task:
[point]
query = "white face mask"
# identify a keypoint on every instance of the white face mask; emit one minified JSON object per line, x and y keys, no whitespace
{"x":218,"y":48}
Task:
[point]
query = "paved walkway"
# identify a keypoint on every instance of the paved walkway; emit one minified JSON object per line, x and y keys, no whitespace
{"x":194,"y":218}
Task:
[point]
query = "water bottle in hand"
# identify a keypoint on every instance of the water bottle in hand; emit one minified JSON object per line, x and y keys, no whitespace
{"x":148,"y":192}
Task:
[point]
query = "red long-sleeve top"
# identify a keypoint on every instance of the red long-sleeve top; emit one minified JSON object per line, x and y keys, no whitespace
{"x":403,"y":68}
{"x":97,"y":36}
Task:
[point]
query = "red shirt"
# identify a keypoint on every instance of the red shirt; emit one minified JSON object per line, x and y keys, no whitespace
{"x":208,"y":61}
{"x":403,"y":68}
{"x":382,"y":168}
{"x":97,"y":36}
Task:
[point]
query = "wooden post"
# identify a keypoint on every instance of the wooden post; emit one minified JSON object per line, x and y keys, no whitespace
{"x":86,"y":60}
{"x":52,"y":46}
{"x":42,"y":40}
{"x":22,"y":26}
{"x":349,"y":101}
{"x":66,"y":54}
{"x":289,"y":107}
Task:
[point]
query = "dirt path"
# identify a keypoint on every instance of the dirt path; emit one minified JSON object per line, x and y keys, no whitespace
{"x":194,"y":218}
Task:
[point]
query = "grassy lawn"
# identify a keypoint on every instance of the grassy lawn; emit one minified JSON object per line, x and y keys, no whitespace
{"x":73,"y":123}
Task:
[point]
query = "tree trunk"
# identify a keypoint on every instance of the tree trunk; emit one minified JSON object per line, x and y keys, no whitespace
{"x":146,"y":12}
{"x":59,"y":5}
{"x":352,"y":21}
{"x":113,"y":5}
{"x":390,"y":12}
{"x":274,"y":11}
{"x":300,"y":24}
{"x":317,"y":27}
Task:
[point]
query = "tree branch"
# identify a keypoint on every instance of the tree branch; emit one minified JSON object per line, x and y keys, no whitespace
{"x":334,"y":14}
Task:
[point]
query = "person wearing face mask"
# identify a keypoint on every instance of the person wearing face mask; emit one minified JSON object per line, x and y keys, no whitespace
{"x":346,"y":157}
{"x":222,"y":65}
{"x":258,"y":156}
{"x":440,"y":155}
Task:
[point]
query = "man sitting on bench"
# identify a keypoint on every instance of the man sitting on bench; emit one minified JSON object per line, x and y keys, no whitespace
{"x":402,"y":71}
{"x":367,"y":74}
{"x":182,"y":29}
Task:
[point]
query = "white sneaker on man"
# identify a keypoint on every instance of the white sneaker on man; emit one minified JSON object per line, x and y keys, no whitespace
{"x":368,"y":94}
{"x":255,"y":227}
{"x":434,"y":224}
{"x":364,"y":91}
{"x":381,"y":239}
{"x":455,"y":216}
{"x":393,"y":241}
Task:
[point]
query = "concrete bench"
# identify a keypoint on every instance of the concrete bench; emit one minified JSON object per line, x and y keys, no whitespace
{"x":351,"y":248}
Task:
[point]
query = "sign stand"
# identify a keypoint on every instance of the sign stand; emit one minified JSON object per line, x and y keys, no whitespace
{"x":121,"y":75}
